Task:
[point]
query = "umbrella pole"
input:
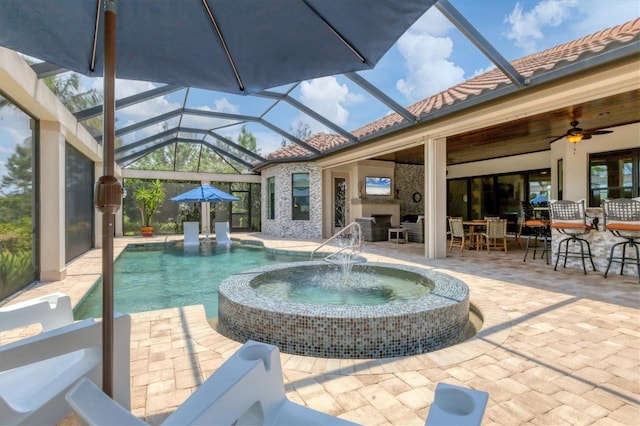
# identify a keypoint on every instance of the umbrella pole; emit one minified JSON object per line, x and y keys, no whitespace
{"x":108,"y":220}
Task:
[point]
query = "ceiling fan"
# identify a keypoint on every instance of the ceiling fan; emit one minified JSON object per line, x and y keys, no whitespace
{"x":576,"y":134}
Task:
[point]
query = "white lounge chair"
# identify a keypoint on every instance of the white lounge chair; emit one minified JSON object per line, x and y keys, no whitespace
{"x":50,"y":311}
{"x":246,"y":390}
{"x":455,"y":405}
{"x":36,"y":372}
{"x":191,"y":233}
{"x":222,"y":232}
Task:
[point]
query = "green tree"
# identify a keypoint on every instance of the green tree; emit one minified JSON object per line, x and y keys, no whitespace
{"x":17,"y":179}
{"x":247,"y":140}
{"x":300,"y":130}
{"x":149,"y":196}
{"x":67,"y":89}
{"x":16,"y":186}
{"x":196,"y":157}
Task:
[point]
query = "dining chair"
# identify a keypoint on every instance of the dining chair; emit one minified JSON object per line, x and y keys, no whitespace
{"x":494,"y":235}
{"x":569,"y":218}
{"x":459,"y":236}
{"x":622,"y":219}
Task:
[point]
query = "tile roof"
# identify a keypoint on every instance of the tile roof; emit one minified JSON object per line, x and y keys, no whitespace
{"x":528,"y":66}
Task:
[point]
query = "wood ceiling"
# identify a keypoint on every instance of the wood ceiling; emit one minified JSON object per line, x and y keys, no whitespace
{"x":531,"y":134}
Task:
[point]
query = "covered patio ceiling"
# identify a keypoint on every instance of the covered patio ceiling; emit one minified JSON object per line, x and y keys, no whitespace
{"x":530,"y":134}
{"x":208,"y":129}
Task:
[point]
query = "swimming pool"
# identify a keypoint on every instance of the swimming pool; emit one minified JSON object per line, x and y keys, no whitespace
{"x":163,"y":276}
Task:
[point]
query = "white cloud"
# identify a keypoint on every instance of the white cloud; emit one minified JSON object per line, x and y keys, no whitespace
{"x":426,"y":49}
{"x":223,"y":105}
{"x":599,"y":14}
{"x":479,"y":71}
{"x":428,"y":69}
{"x":141,"y":110}
{"x":328,"y":98}
{"x":527,"y":27}
{"x":433,"y":23}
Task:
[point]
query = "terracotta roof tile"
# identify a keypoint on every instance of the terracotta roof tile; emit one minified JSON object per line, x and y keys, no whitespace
{"x":546,"y":60}
{"x":321,"y":141}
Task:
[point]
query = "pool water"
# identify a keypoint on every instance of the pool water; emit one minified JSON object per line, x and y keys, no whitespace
{"x":332,"y":287}
{"x":158,"y":277}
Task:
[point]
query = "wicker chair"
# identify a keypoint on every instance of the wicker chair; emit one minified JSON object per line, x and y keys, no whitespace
{"x":459,"y":237}
{"x":415,"y":229}
{"x":495,"y":231}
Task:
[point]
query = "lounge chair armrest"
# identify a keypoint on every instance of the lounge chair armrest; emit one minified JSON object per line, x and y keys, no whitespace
{"x":69,"y":338}
{"x":49,"y":344}
{"x":95,"y":408}
{"x":51,"y":311}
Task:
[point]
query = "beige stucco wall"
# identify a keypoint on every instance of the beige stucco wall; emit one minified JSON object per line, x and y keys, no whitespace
{"x":576,"y":164}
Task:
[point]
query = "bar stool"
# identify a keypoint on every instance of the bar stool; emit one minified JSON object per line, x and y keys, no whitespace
{"x":539,"y":229}
{"x":622,"y":218}
{"x":569,"y":218}
{"x":541,"y":232}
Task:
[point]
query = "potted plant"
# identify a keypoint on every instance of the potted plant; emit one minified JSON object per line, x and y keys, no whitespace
{"x":148,"y":198}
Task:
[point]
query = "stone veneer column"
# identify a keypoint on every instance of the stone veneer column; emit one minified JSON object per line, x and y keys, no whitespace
{"x":435,"y":198}
{"x":52,"y":202}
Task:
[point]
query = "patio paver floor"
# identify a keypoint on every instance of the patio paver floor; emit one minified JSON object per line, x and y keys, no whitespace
{"x":556,"y":347}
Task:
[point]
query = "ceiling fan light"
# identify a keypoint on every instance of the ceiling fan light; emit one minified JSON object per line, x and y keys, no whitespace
{"x":575,"y":137}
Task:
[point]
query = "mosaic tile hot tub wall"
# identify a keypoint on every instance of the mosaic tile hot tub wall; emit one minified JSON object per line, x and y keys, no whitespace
{"x":395,"y":329}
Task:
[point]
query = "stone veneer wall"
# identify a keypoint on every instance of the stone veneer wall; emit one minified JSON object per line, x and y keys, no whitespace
{"x":283,"y":225}
{"x":409,"y":178}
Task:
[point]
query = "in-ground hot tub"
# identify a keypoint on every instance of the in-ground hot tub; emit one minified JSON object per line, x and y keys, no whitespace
{"x":398,"y":320}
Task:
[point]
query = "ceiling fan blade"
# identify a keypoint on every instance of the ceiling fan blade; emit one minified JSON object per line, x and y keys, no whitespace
{"x":601,"y":132}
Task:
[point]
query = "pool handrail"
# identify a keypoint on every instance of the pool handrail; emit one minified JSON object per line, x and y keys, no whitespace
{"x":343,"y":231}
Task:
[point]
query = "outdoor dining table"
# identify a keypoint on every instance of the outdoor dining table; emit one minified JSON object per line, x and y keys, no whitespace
{"x":472,"y":224}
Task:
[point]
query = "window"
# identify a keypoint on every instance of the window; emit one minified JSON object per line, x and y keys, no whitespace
{"x":271,"y":196}
{"x":613,"y":175}
{"x":18,"y":194}
{"x":78,"y":202}
{"x":560,"y":178}
{"x":300,"y":196}
{"x":497,"y":195}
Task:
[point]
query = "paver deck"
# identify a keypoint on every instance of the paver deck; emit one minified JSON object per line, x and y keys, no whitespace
{"x":556,"y":347}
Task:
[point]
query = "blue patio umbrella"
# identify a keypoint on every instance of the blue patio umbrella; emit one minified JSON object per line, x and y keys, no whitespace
{"x":204,"y":193}
{"x":540,"y":199}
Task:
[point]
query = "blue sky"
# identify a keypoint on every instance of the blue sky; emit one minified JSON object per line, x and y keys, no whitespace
{"x":430,"y":57}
